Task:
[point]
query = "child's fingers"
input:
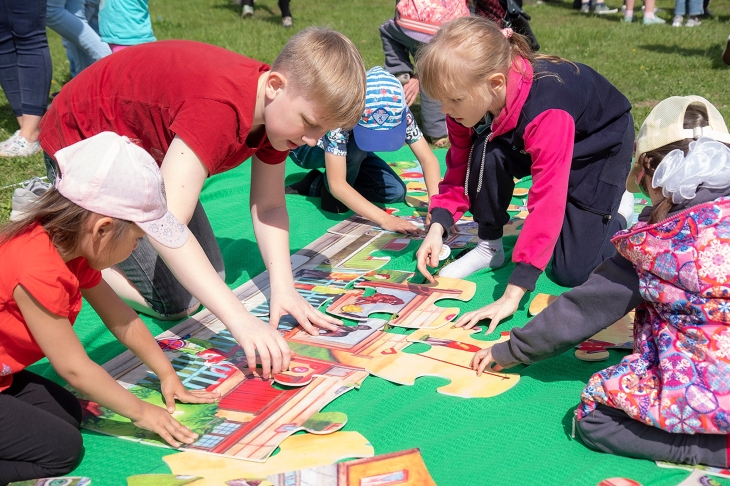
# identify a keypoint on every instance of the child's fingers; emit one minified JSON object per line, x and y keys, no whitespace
{"x":199,"y":396}
{"x":483,"y":364}
{"x":167,"y":437}
{"x":265,"y":360}
{"x":169,"y":396}
{"x":250,"y":351}
{"x":180,"y":432}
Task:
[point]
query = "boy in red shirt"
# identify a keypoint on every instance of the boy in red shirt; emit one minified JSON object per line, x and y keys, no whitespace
{"x":201,"y":110}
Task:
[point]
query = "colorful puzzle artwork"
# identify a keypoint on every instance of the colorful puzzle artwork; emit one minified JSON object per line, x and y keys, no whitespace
{"x":713,"y":471}
{"x":411,"y":172}
{"x":65,"y":481}
{"x":699,"y":478}
{"x":619,"y":335}
{"x":295,"y":452}
{"x":414,"y":304}
{"x":252,"y":417}
{"x":403,"y":468}
{"x":618,"y":482}
{"x":163,"y":480}
{"x":449,"y":356}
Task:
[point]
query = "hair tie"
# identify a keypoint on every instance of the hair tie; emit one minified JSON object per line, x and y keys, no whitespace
{"x":507,"y":33}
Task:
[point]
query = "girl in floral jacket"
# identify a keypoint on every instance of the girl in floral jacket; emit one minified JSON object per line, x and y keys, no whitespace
{"x":670,"y":399}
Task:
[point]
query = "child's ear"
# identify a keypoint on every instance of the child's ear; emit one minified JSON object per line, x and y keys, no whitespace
{"x":275,"y":82}
{"x":497,"y":82}
{"x":101,"y":227}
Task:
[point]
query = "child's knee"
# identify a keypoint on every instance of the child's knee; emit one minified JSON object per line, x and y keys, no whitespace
{"x":68,"y":446}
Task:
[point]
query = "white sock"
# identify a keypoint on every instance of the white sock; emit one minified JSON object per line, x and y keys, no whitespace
{"x":488,"y":253}
{"x":626,"y":208}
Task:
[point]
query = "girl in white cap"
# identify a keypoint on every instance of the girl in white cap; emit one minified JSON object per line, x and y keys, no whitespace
{"x":670,"y":399}
{"x":108,"y":196}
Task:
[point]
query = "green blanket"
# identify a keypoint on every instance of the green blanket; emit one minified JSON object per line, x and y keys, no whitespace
{"x":520,"y":437}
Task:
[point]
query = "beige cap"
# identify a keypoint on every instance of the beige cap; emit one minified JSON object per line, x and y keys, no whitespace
{"x":665,"y":125}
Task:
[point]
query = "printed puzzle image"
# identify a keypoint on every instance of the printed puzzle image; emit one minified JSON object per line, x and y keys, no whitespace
{"x":252,"y":417}
{"x":411,"y":172}
{"x":449,"y":356}
{"x":404,"y":468}
{"x":66,"y":481}
{"x":414,"y":304}
{"x":296,"y":452}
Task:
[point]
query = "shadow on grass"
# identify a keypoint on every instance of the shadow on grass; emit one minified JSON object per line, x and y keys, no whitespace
{"x":714,"y":53}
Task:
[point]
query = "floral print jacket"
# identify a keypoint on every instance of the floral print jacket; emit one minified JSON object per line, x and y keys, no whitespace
{"x":678,"y":376}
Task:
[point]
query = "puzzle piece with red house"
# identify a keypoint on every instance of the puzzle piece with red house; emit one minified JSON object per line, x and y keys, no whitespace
{"x":414,"y":304}
{"x":449,"y":356}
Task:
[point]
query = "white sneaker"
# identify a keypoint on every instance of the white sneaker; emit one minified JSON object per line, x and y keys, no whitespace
{"x":4,"y":143}
{"x":20,"y":147}
{"x":692,"y":22}
{"x":24,"y":197}
{"x":677,"y":21}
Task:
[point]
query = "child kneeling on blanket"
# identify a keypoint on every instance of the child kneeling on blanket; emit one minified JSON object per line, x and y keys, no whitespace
{"x":670,"y":399}
{"x":108,"y":195}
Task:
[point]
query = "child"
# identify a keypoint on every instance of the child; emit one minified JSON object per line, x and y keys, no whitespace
{"x":108,"y":196}
{"x":356,"y":176}
{"x":650,"y":17}
{"x":513,"y":114}
{"x":415,"y":23}
{"x":201,"y":110}
{"x":124,"y":23}
{"x":692,"y":8}
{"x":286,"y":20}
{"x":668,"y":400}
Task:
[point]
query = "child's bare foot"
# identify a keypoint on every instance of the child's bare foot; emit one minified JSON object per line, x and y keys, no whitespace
{"x":441,"y":142}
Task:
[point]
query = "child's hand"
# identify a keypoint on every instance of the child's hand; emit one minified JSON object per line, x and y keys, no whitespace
{"x":411,"y":89}
{"x":290,"y":302}
{"x":500,"y":309}
{"x":172,"y":389}
{"x":483,"y":359}
{"x":399,"y":225}
{"x":255,"y":335}
{"x":428,"y":253}
{"x":158,"y":420}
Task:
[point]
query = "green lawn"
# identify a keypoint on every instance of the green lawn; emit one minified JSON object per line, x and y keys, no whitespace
{"x":646,"y":63}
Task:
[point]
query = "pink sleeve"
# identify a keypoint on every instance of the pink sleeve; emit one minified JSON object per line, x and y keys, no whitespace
{"x":549,"y":139}
{"x":451,"y":195}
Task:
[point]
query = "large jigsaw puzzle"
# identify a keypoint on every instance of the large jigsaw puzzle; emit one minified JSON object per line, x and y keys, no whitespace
{"x":449,"y":356}
{"x":403,"y":468}
{"x":252,"y":417}
{"x":296,"y":452}
{"x":619,"y":335}
{"x":415,"y":305}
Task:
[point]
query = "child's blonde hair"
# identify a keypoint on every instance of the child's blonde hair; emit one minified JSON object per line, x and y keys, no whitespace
{"x":464,"y":53}
{"x":326,"y":67}
{"x":64,"y":221}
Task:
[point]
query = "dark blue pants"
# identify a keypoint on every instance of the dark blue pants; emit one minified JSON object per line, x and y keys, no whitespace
{"x":585,"y":237}
{"x":367,"y":173}
{"x":25,"y":60}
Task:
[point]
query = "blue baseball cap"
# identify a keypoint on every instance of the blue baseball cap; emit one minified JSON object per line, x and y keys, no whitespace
{"x":382,"y":126}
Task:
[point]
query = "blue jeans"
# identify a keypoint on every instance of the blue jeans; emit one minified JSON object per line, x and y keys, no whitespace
{"x":688,"y":7}
{"x":83,"y":45}
{"x":367,"y":173}
{"x":25,"y":60}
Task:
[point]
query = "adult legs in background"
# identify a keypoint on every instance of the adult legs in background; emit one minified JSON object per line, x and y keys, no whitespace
{"x":25,"y":70}
{"x":68,"y":19}
{"x":612,"y":431}
{"x":286,"y":19}
{"x":39,"y":422}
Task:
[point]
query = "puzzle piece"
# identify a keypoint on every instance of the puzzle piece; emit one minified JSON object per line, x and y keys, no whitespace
{"x":414,"y":304}
{"x":714,"y":471}
{"x":358,"y":253}
{"x":521,"y":211}
{"x":296,"y":452}
{"x":411,"y":173}
{"x":450,"y":354}
{"x":404,"y":468}
{"x":163,"y":480}
{"x":513,"y":227}
{"x":619,"y":335}
{"x":251,"y":418}
{"x":520,"y":191}
{"x":64,"y":481}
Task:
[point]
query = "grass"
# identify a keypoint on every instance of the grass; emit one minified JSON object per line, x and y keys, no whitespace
{"x":647,"y":64}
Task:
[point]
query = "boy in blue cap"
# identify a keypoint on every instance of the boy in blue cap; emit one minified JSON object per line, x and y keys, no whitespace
{"x":355,"y":177}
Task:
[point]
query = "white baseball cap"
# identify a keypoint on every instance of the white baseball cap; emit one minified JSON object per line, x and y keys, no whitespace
{"x":109,"y":175}
{"x":665,"y":125}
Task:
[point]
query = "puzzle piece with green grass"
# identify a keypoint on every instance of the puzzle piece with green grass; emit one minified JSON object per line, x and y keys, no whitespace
{"x":449,"y":354}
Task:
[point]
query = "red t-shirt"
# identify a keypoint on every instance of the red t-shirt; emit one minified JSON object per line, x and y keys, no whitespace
{"x":32,"y":261}
{"x":151,"y":92}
